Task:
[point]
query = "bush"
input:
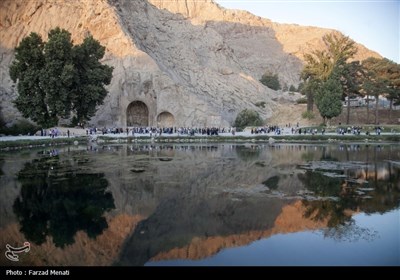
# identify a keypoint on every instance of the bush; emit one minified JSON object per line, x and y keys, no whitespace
{"x":300,"y":87}
{"x":74,"y":121}
{"x":23,"y":127}
{"x":271,"y":81}
{"x":292,"y":88}
{"x":301,"y":100}
{"x":308,"y":115}
{"x":261,"y":104}
{"x":248,"y":118}
{"x":2,"y":122}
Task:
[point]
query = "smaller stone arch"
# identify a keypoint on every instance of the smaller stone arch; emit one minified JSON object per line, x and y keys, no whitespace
{"x":165,"y":119}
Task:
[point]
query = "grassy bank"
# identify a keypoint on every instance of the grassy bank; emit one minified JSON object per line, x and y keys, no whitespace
{"x":258,"y":138}
{"x":25,"y":143}
{"x":303,"y":139}
{"x":370,"y":128}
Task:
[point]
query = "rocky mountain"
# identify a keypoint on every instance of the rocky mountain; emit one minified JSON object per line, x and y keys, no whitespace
{"x":177,"y":62}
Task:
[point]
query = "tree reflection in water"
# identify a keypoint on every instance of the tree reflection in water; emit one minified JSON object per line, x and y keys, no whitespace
{"x":57,"y":200}
{"x":248,"y":153}
{"x":339,"y":198}
{"x":1,"y":166}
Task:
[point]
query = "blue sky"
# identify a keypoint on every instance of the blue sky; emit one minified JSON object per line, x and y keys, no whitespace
{"x":375,"y":24}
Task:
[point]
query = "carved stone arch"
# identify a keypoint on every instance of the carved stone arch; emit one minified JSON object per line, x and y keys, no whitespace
{"x":165,"y":119}
{"x":137,"y":114}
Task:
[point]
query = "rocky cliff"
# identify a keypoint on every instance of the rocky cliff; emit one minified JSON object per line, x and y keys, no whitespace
{"x":180,"y":63}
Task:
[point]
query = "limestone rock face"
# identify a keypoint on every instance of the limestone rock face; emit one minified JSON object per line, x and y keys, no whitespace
{"x":176,"y":63}
{"x":259,"y":44}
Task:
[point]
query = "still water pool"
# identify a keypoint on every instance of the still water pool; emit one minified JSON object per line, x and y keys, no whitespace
{"x":204,"y":204}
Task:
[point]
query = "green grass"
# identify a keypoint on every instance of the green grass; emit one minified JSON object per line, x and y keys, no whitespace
{"x":258,"y":138}
{"x":307,"y":115}
{"x":25,"y":144}
{"x":345,"y":138}
{"x":369,"y":127}
{"x":22,"y":144}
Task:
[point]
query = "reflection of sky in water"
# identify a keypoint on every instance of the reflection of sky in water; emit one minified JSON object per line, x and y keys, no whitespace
{"x":308,"y":248}
{"x":178,"y":201}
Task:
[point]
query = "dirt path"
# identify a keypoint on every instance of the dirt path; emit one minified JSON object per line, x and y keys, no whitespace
{"x":291,"y":114}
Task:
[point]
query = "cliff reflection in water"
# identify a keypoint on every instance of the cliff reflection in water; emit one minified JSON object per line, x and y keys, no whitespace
{"x":58,"y":200}
{"x":260,"y":201}
{"x":149,"y":203}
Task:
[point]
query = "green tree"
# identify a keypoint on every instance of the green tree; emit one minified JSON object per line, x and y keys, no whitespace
{"x":320,"y":63}
{"x":58,"y":73}
{"x":329,"y":97}
{"x":300,"y":87}
{"x":2,"y":121}
{"x":271,"y":81}
{"x":89,"y":91}
{"x":309,"y":88}
{"x":394,"y":98}
{"x":350,"y":77}
{"x":382,"y":77}
{"x":56,"y":78}
{"x":248,"y":118}
{"x":27,"y":69}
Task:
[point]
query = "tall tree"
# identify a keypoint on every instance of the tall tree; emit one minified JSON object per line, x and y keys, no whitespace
{"x":57,"y":75}
{"x":382,"y":78}
{"x":389,"y":73}
{"x":27,"y":68}
{"x":88,"y":91}
{"x":2,"y":122}
{"x":309,"y":88}
{"x":329,"y":96}
{"x":320,"y":63}
{"x":351,"y":80}
{"x":394,"y":99}
{"x":56,"y":78}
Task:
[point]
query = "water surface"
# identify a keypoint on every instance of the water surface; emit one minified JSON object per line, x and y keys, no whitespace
{"x":204,"y":204}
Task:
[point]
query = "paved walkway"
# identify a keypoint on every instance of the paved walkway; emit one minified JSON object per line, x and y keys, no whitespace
{"x":82,"y":132}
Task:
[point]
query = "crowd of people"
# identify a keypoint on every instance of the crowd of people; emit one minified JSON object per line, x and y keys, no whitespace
{"x":157,"y":131}
{"x":208,"y":131}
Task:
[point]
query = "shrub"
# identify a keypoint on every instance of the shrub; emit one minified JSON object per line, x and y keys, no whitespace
{"x":271,"y":81}
{"x":301,"y":100}
{"x":261,"y":104}
{"x":292,"y":88}
{"x":272,"y":182}
{"x":2,"y":122}
{"x":23,"y":127}
{"x":74,"y":121}
{"x":307,"y":115}
{"x":247,"y":118}
{"x":300,"y":87}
